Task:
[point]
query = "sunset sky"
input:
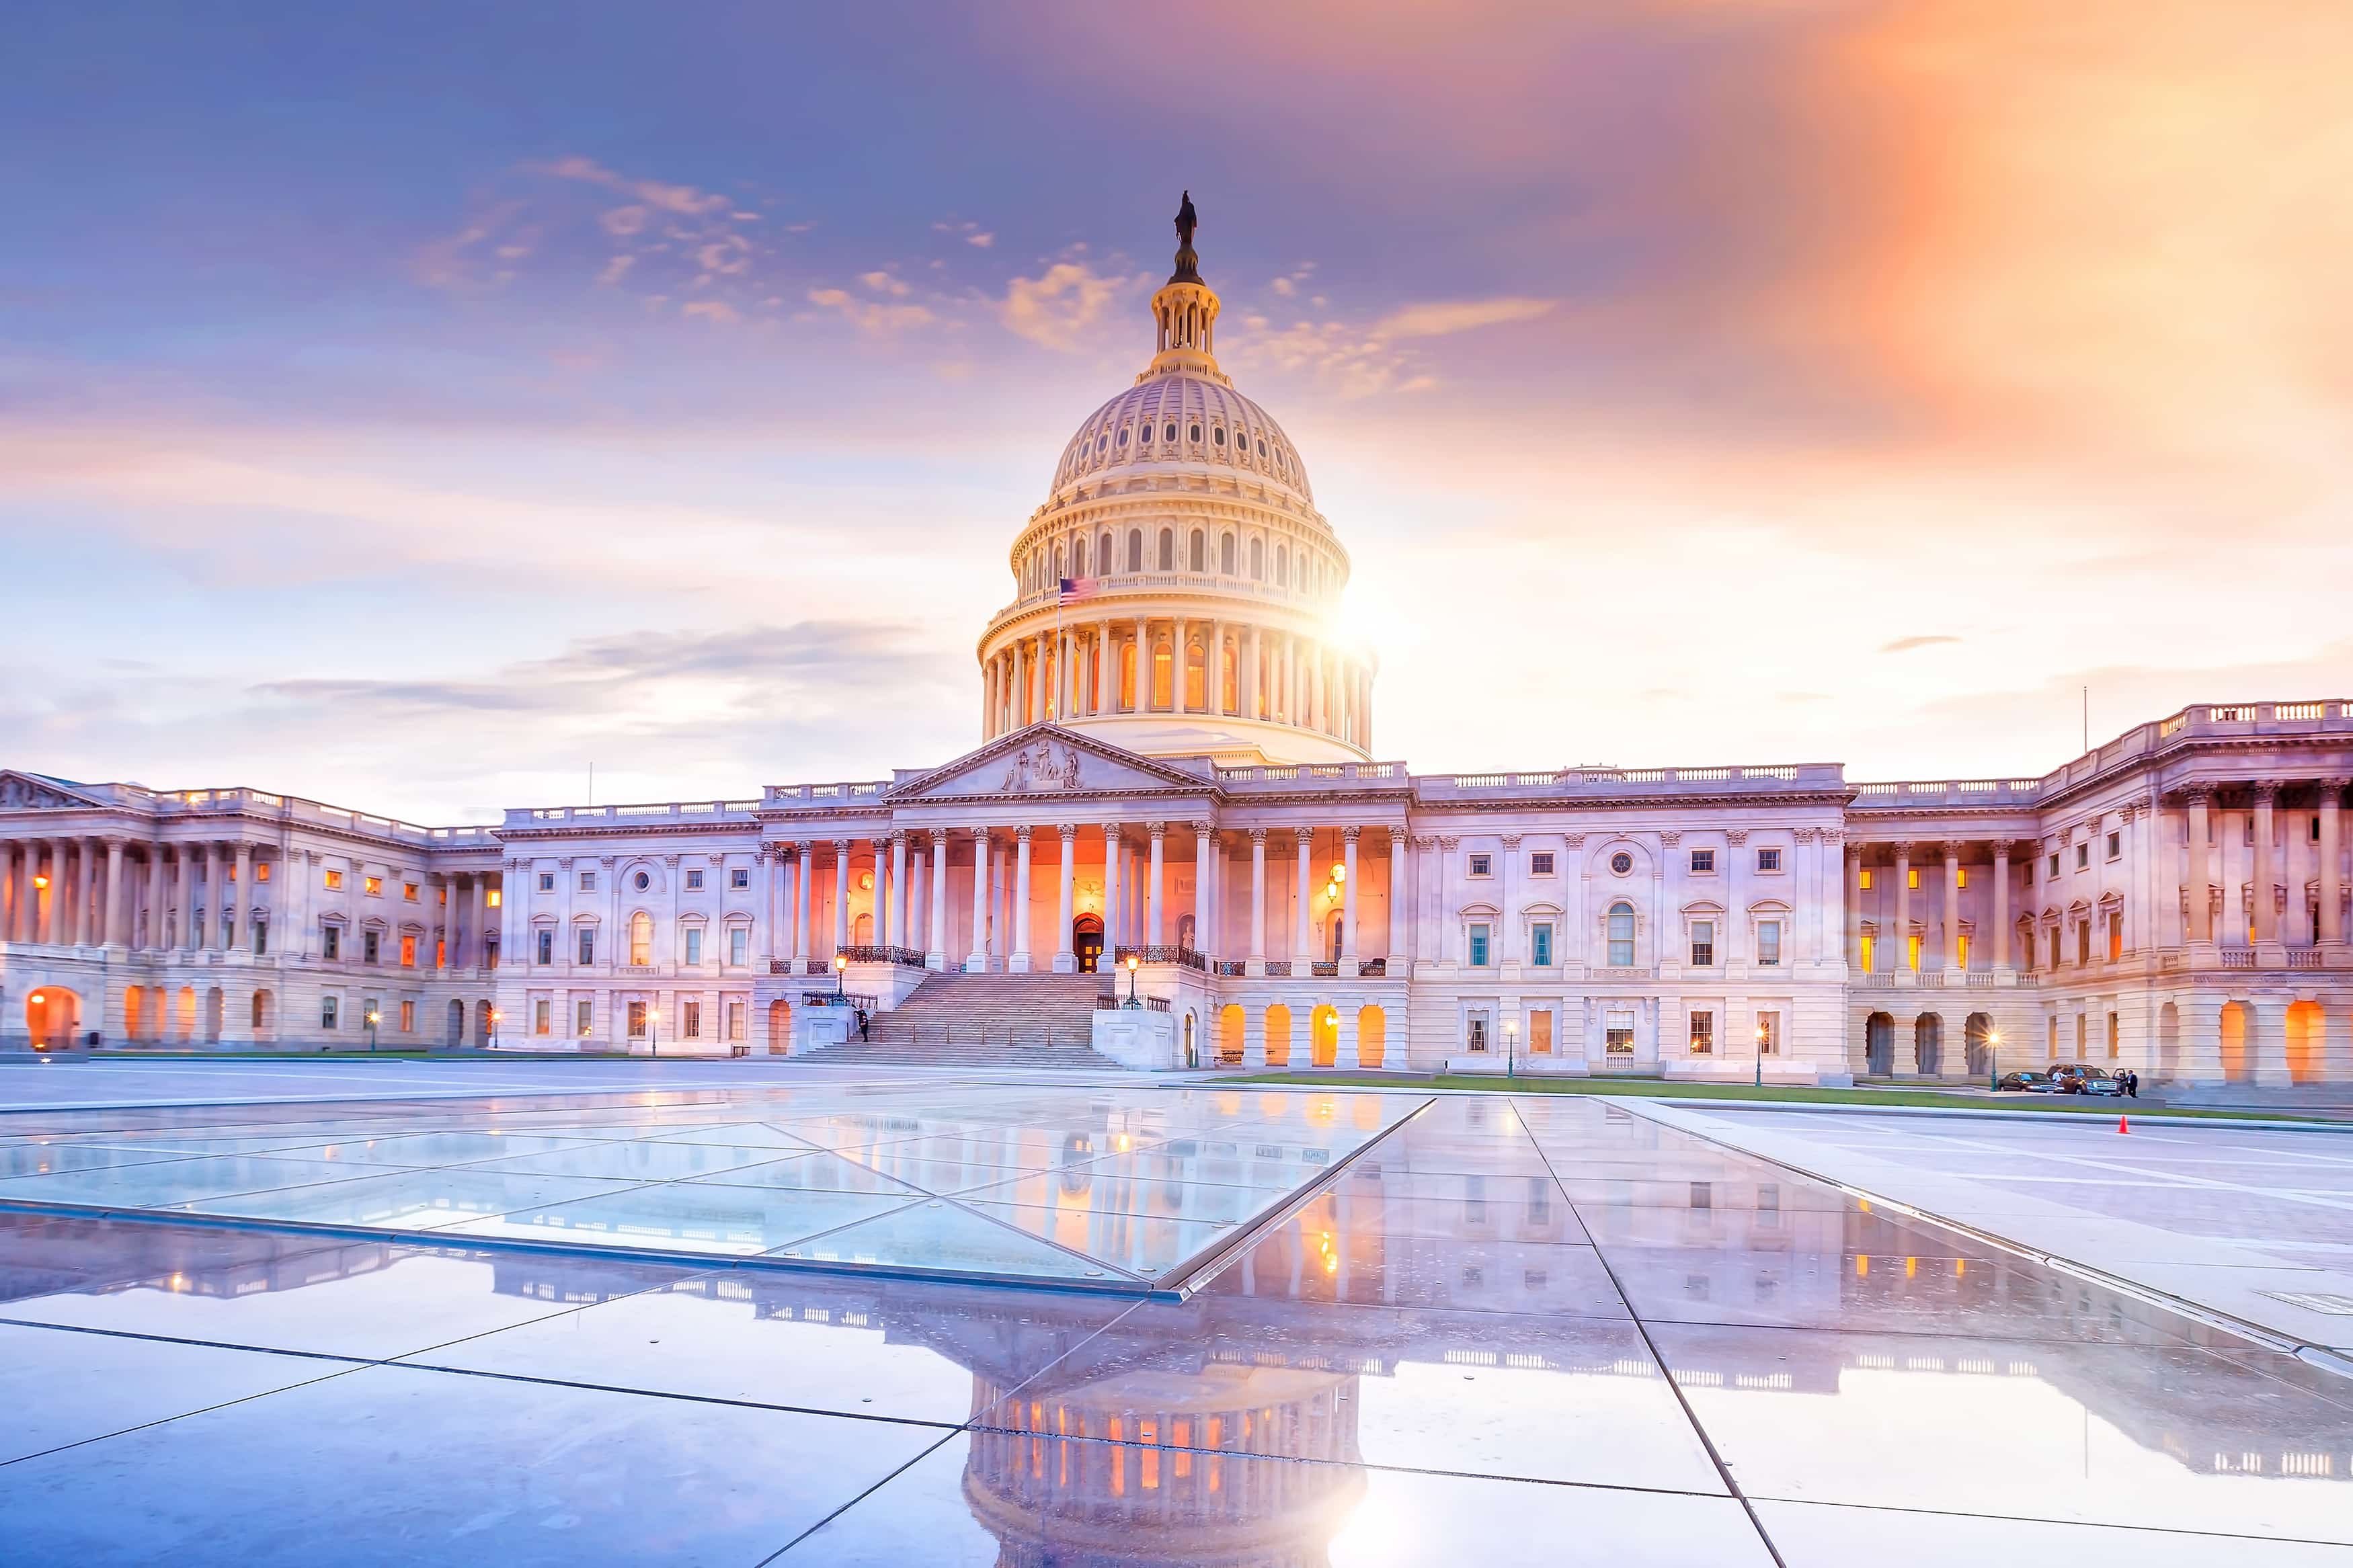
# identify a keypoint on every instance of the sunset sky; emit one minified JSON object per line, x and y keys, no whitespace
{"x":410,"y":405}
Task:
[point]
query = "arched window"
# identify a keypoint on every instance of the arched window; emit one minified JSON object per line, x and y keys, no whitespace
{"x":1059,"y":574}
{"x":1103,"y":554}
{"x":1201,"y":550}
{"x":1193,"y":434}
{"x":1078,"y":558}
{"x":1170,"y":433}
{"x":1282,"y":566}
{"x":1127,"y":678}
{"x":1135,"y":549}
{"x":1622,"y":935}
{"x":1161,"y":674}
{"x":1226,"y":555}
{"x":1196,"y":677}
{"x":641,"y":938}
{"x":1168,"y":550}
{"x":1258,"y":560}
{"x":1230,"y":684}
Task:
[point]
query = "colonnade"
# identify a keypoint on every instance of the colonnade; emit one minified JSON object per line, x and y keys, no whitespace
{"x":87,"y":891}
{"x":1146,"y":665}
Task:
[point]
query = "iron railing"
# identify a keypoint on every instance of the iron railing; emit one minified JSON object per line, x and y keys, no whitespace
{"x":1111,"y":1002}
{"x":867,"y":952}
{"x":1185,"y":956}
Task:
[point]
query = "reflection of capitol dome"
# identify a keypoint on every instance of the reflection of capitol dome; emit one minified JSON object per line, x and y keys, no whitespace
{"x":1203,"y":579}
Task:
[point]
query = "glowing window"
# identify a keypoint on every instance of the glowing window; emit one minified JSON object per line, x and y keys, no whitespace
{"x":641,"y":938}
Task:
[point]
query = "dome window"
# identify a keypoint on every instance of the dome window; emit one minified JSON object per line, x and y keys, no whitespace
{"x":1195,"y":436}
{"x":1219,"y":436}
{"x":1122,"y":437}
{"x":1170,"y":434}
{"x":1261,"y":446}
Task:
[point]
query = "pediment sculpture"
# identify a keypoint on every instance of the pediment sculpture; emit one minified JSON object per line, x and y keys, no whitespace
{"x":18,"y":793}
{"x":1041,"y":768}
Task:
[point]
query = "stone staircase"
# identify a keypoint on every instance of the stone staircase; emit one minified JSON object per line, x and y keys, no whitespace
{"x":985,"y":1020}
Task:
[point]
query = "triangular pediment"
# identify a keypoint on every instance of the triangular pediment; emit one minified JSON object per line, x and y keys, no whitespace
{"x":32,"y":792}
{"x":1046,"y":760}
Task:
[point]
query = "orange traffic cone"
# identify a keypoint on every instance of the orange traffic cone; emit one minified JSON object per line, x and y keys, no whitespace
{"x":2123,"y":1125}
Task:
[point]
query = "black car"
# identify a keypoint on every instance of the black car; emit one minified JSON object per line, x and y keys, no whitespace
{"x":2079,"y":1078}
{"x":2028,"y":1082}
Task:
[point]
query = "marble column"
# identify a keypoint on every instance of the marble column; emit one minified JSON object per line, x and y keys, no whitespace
{"x":1018,"y":962}
{"x":1400,"y":927}
{"x":895,"y":907}
{"x":1903,"y":908}
{"x":1066,"y":957}
{"x":1143,"y":693}
{"x":935,"y":948}
{"x":155,"y":899}
{"x":1257,"y":902}
{"x":1155,"y":919}
{"x":1115,"y":932}
{"x":482,"y":925}
{"x":2000,"y":905}
{"x":2264,"y":890}
{"x":2332,"y":875}
{"x":118,"y":930}
{"x":1952,"y":955}
{"x":1349,"y":900}
{"x":2200,"y":890}
{"x":85,"y":892}
{"x":976,"y":961}
{"x":1303,"y":917}
{"x":1205,"y":901}
{"x":840,"y":893}
{"x":804,"y":899}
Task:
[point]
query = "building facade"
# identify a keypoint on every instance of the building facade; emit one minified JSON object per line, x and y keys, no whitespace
{"x":1178,"y":763}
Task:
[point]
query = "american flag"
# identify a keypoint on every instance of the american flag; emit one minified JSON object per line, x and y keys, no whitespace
{"x":1078,"y":590}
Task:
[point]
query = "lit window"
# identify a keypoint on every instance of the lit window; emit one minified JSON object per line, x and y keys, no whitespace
{"x":1482,"y":866}
{"x":1866,"y":878}
{"x":1540,"y":945}
{"x":690,"y":1020}
{"x":1478,"y":1041}
{"x":1769,"y":1033}
{"x":1622,"y":935}
{"x":493,"y":899}
{"x":1912,"y":952}
{"x":1912,"y":877}
{"x":328,"y":1008}
{"x":408,"y":1017}
{"x":739,"y":946}
{"x":1540,"y":863}
{"x":408,"y":892}
{"x":1617,"y":1037}
{"x":373,"y":886}
{"x":334,"y":881}
{"x":1769,"y":942}
{"x":641,"y":938}
{"x":543,"y":1019}
{"x":740,"y":878}
{"x":1539,"y":1045}
{"x":584,"y":1019}
{"x":2115,"y":938}
{"x":1870,"y":954}
{"x":409,"y":952}
{"x":1961,"y":876}
{"x":1479,"y":933}
{"x":1703,"y":862}
{"x":1702,"y":1033}
{"x":1702,"y":944}
{"x":1961,"y":951}
{"x":636,"y":1020}
{"x":693,"y":880}
{"x":694,"y":944}
{"x":261,"y":870}
{"x":1769,"y":859}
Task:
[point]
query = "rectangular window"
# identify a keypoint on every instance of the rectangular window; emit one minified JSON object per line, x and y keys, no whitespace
{"x":1540,"y":863}
{"x":734,"y":1020}
{"x":547,"y":881}
{"x":261,"y":870}
{"x":1961,"y":951}
{"x":1478,"y":1041}
{"x":2084,"y":943}
{"x":1703,"y":862}
{"x":2115,"y":846}
{"x":2116,"y":936}
{"x":2115,"y":1038}
{"x":740,"y":878}
{"x":1960,"y":876}
{"x":408,"y":892}
{"x":1540,"y":1032}
{"x":260,"y":939}
{"x":1479,"y":933}
{"x":328,"y":1007}
{"x":1769,"y":942}
{"x":587,"y":944}
{"x":492,"y":899}
{"x":1912,"y":878}
{"x":1702,"y":1033}
{"x":739,"y":946}
{"x":370,"y":1014}
{"x":1702,"y":944}
{"x":1769,"y":1033}
{"x":2083,"y":857}
{"x":1482,"y":865}
{"x":544,"y":947}
{"x":542,"y":1020}
{"x":2055,"y":865}
{"x":2026,"y":872}
{"x":694,"y":944}
{"x":334,"y":881}
{"x":1540,"y":945}
{"x":2054,"y":947}
{"x":372,"y":886}
{"x":371,"y":947}
{"x":408,"y":953}
{"x":1911,"y":953}
{"x":584,"y":1019}
{"x":588,"y":881}
{"x":1617,"y":1037}
{"x":440,"y":954}
{"x":1866,"y":878}
{"x":331,"y":941}
{"x":1769,"y":859}
{"x":408,"y":1017}
{"x":693,"y":880}
{"x":690,"y":1020}
{"x":1870,"y":953}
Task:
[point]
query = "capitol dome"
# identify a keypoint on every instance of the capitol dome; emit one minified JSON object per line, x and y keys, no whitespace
{"x":1175,"y":591}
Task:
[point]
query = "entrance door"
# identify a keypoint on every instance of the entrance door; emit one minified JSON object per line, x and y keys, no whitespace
{"x":1086,"y":941}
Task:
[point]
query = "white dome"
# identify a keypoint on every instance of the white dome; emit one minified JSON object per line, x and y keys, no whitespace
{"x":1183,"y":419}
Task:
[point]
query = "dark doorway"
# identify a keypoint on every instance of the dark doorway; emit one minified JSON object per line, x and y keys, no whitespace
{"x":1086,"y":941}
{"x":1879,"y":1044}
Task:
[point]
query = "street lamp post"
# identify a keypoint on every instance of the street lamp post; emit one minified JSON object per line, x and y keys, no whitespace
{"x":1993,"y":1061}
{"x":494,"y":1029}
{"x":1760,"y":1055}
{"x":653,"y":1029}
{"x":1510,"y":1047}
{"x":1133,"y":963}
{"x":374,"y":1018}
{"x":840,"y":966}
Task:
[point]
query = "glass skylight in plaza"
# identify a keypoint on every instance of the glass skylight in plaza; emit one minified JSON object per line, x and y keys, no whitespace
{"x":1119,"y":1189}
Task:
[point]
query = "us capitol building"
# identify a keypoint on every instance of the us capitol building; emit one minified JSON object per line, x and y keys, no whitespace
{"x":1178,"y":762}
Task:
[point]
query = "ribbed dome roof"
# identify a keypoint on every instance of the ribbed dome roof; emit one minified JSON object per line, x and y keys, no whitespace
{"x":1184,"y":419}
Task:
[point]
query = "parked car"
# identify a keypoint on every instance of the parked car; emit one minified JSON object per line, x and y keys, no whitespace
{"x":2080,"y":1078}
{"x":2027,"y":1082}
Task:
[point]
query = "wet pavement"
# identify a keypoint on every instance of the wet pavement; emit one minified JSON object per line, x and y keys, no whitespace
{"x":1507,"y":1332}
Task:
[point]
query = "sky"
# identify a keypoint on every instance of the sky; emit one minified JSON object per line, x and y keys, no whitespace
{"x":416,"y":407}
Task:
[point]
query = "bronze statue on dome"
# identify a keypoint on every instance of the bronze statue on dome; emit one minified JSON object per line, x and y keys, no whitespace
{"x":1188,"y":264}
